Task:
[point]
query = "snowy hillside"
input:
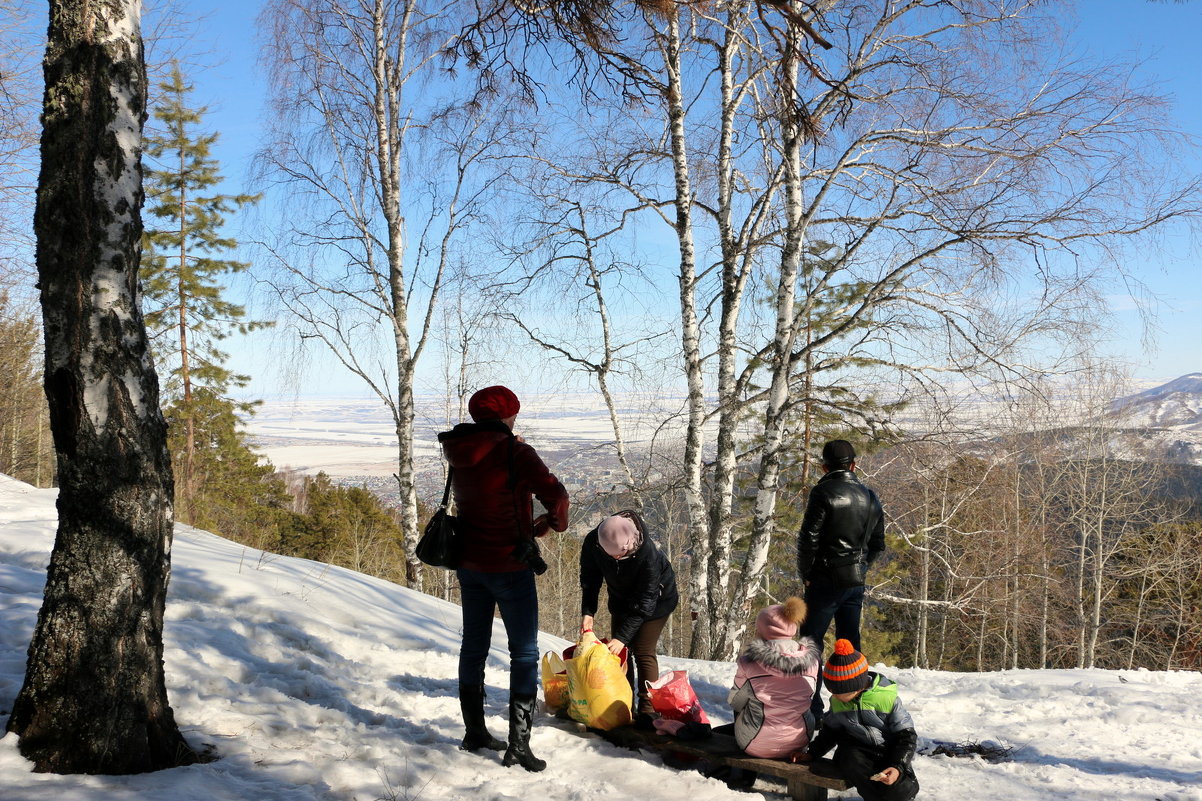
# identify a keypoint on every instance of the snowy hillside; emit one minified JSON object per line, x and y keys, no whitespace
{"x":313,"y":682}
{"x":1177,"y":403}
{"x":1171,"y":414}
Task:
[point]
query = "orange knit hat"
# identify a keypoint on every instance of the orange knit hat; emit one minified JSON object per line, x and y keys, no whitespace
{"x":846,"y":671}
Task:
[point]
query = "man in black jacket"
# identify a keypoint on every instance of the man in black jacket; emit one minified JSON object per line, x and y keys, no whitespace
{"x":842,"y":534}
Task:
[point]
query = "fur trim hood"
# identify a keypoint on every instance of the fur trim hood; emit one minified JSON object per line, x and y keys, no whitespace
{"x":788,"y":657}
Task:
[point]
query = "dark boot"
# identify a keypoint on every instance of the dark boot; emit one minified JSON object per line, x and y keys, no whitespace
{"x":471,"y":703}
{"x":521,"y":720}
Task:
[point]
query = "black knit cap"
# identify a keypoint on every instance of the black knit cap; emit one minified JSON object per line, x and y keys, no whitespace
{"x":838,"y":453}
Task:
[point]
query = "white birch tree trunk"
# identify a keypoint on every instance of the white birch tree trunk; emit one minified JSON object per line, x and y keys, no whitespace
{"x":94,"y":698}
{"x":690,"y":339}
{"x":788,"y":321}
{"x":342,"y":70}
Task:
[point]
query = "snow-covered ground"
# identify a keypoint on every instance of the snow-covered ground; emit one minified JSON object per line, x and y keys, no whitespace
{"x":314,"y":682}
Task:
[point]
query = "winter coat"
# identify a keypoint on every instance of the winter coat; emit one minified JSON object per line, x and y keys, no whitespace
{"x":875,"y":720}
{"x":842,"y":533}
{"x":774,"y":683}
{"x":641,"y":586}
{"x":493,"y":506}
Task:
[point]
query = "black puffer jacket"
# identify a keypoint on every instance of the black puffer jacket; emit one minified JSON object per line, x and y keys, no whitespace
{"x":641,"y":587}
{"x":842,"y":533}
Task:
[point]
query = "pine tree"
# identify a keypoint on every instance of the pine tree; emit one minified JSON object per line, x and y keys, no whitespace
{"x":822,"y":408}
{"x":346,"y":526}
{"x":182,"y":265}
{"x":238,"y":495}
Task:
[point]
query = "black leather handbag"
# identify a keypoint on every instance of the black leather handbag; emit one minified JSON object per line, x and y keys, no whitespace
{"x":437,"y":547}
{"x":848,"y":572}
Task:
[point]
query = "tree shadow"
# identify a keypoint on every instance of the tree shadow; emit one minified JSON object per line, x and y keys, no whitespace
{"x":1108,"y":767}
{"x":313,"y":670}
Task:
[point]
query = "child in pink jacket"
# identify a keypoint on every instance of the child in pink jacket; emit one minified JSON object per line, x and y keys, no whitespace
{"x":775,"y":680}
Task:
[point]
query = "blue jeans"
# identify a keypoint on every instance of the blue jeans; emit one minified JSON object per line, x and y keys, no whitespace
{"x":826,"y":602}
{"x":516,"y":595}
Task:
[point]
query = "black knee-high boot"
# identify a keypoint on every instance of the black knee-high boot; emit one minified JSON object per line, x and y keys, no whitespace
{"x":521,"y":721}
{"x":471,"y":704}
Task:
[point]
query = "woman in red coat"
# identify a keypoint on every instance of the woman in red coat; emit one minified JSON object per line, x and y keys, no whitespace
{"x":494,"y":477}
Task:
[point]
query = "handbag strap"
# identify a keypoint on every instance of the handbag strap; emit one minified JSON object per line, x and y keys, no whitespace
{"x":446,"y":492}
{"x":513,"y":491}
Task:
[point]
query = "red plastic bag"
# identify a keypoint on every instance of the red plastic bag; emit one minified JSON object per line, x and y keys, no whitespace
{"x":673,"y":698}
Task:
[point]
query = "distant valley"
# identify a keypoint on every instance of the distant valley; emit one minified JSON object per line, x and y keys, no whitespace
{"x":353,"y":439}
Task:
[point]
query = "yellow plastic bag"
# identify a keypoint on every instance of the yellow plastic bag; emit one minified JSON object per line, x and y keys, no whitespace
{"x":598,"y":692}
{"x":555,"y":682}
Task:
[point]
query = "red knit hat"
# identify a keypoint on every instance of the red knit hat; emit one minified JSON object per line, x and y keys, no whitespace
{"x":493,"y":403}
{"x":846,"y":671}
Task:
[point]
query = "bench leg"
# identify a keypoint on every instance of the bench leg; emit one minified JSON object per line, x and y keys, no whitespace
{"x":800,"y":791}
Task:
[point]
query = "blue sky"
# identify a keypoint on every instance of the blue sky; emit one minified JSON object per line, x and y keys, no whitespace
{"x":1160,"y":38}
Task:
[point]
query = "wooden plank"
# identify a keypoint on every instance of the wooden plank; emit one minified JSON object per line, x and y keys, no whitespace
{"x":801,"y":791}
{"x":722,"y":748}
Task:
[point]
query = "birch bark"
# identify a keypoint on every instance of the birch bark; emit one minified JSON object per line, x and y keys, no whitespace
{"x":669,"y":43}
{"x":94,"y":698}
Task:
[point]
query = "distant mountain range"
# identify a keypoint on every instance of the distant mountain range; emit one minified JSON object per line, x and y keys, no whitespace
{"x":1177,"y":403}
{"x":1172,"y":415}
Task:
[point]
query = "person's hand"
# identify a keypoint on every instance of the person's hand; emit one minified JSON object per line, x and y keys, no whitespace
{"x":615,"y":647}
{"x":586,"y":623}
{"x":519,"y":437}
{"x":887,"y":776}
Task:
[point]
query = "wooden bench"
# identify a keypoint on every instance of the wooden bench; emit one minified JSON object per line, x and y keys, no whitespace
{"x":807,"y":781}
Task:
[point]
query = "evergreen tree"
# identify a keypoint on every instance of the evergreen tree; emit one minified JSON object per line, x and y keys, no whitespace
{"x":237,"y":495}
{"x":346,"y":526}
{"x":823,"y":407}
{"x":182,"y":265}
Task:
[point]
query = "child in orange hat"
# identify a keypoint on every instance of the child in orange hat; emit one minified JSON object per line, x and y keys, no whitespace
{"x":869,"y":728}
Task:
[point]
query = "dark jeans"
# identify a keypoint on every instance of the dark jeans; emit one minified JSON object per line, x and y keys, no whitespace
{"x":826,"y":602}
{"x":516,"y":594}
{"x":858,"y":764}
{"x":642,"y":655}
